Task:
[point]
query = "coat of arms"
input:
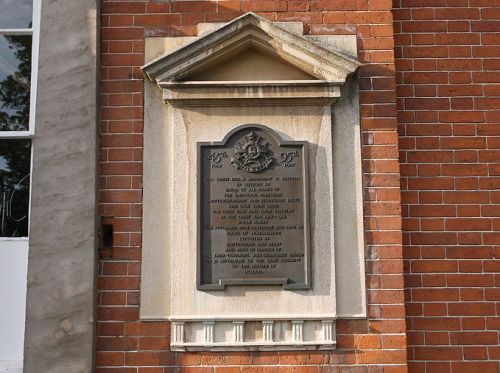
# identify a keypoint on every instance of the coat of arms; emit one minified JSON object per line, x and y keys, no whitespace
{"x":251,"y":153}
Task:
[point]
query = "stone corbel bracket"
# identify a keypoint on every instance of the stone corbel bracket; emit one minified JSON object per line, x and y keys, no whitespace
{"x":327,"y":67}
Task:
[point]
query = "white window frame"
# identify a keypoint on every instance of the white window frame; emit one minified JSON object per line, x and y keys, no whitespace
{"x":35,"y":44}
{"x":34,"y":31}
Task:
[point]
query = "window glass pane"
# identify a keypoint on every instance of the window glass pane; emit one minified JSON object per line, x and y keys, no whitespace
{"x":14,"y":187}
{"x":15,"y":75}
{"x":15,"y":13}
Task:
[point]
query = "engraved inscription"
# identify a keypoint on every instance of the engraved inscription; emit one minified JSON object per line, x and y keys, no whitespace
{"x":253,"y":219}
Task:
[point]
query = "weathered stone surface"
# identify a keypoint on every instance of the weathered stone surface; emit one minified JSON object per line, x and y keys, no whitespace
{"x":61,"y":270}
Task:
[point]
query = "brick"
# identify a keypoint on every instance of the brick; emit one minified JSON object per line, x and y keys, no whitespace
{"x":438,"y":353}
{"x":485,"y":77}
{"x":456,"y":13}
{"x":116,"y":344}
{"x":421,"y":183}
{"x":110,"y":329}
{"x":197,"y":369}
{"x":152,"y":20}
{"x":461,"y":117}
{"x":473,"y":323}
{"x":122,"y":33}
{"x":193,"y":7}
{"x":153,"y":343}
{"x":113,"y":298}
{"x":425,"y":52}
{"x":436,"y":338}
{"x":118,"y":283}
{"x":118,"y":313}
{"x":434,"y":266}
{"x":424,"y":26}
{"x":117,"y":7}
{"x":121,"y":20}
{"x":474,"y":367}
{"x":436,"y":323}
{"x":463,"y":143}
{"x":425,"y":78}
{"x":150,"y":358}
{"x":226,"y":359}
{"x":149,"y":329}
{"x":438,"y":367}
{"x":468,"y":224}
{"x":380,"y":357}
{"x":474,"y":338}
{"x":475,"y":353}
{"x":435,"y":309}
{"x":229,"y":370}
{"x":302,"y":358}
{"x":457,"y":39}
{"x":459,"y":89}
{"x":110,"y":358}
{"x":471,"y":309}
{"x":458,"y":52}
{"x":430,"y":295}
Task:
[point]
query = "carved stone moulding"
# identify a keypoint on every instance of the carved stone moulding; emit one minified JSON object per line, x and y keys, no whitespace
{"x":255,"y":93}
{"x":252,"y":335}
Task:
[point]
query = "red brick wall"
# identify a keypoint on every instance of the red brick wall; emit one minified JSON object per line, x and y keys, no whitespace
{"x":375,"y":345}
{"x":448,"y":62}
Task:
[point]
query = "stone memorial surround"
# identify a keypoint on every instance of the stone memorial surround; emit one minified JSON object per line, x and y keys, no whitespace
{"x":198,"y":90}
{"x":373,"y":342}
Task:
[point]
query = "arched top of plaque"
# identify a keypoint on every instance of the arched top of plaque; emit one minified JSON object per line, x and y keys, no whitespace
{"x":254,"y":147}
{"x":253,"y":211}
{"x":259,"y":127}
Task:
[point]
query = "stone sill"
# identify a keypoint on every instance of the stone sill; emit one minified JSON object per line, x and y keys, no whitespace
{"x":256,"y":335}
{"x":254,"y":346}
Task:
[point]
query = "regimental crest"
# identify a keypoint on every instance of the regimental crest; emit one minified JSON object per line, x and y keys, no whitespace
{"x":251,"y":153}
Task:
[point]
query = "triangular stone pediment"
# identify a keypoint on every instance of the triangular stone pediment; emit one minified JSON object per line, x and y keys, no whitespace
{"x":250,"y":65}
{"x":275,"y":53}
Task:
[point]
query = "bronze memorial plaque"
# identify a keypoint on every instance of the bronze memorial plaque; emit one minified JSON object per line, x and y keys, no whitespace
{"x":253,"y":204}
